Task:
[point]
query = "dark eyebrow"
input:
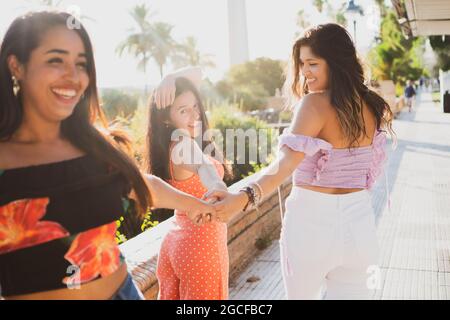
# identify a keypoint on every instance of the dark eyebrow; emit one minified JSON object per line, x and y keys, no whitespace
{"x":309,"y":59}
{"x":61,"y":51}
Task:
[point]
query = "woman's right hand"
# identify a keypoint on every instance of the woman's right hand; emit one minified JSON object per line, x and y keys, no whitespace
{"x":164,"y":94}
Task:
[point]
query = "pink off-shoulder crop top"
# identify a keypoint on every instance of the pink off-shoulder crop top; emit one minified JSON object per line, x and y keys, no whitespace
{"x":325,"y":166}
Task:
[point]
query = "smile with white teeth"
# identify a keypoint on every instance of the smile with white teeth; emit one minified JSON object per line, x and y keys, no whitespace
{"x":310,"y":80}
{"x":65,"y":93}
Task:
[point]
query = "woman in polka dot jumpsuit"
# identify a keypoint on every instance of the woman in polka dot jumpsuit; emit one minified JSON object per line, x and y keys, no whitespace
{"x":193,"y":260}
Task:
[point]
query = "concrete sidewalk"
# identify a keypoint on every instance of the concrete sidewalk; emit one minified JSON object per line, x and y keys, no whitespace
{"x":414,"y":235}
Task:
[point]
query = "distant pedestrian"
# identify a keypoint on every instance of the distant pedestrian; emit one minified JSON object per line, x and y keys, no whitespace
{"x":410,"y":93}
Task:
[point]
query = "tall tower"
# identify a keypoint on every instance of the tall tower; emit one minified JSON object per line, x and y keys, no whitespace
{"x":237,"y":27}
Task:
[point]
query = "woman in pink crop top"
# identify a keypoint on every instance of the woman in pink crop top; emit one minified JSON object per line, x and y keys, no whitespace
{"x":335,"y":150}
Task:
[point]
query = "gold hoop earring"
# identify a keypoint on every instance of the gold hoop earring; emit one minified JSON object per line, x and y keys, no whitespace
{"x":16,"y":85}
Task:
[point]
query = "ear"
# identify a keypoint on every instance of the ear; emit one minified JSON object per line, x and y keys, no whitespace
{"x":15,"y":67}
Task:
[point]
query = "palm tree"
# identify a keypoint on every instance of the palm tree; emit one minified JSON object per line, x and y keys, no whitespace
{"x":140,"y":41}
{"x":148,"y":41}
{"x":163,"y":44}
{"x":187,"y":53}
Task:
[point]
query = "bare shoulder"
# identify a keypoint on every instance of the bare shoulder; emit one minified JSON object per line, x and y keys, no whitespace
{"x":316,"y":103}
{"x":311,"y":114}
{"x":314,"y":107}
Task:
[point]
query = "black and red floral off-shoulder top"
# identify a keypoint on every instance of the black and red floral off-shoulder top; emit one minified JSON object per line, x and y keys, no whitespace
{"x":58,"y":224}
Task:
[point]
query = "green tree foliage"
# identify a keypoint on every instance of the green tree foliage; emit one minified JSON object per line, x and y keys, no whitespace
{"x":250,"y":83}
{"x":302,"y":21}
{"x":396,"y":58}
{"x":382,"y":6}
{"x":333,"y":11}
{"x":129,"y":225}
{"x":319,"y":4}
{"x":140,"y":40}
{"x":228,"y":117}
{"x":188,"y":54}
{"x":118,"y":103}
{"x":441,"y":47}
{"x":337,"y":14}
{"x":149,"y":40}
{"x":163,"y":45}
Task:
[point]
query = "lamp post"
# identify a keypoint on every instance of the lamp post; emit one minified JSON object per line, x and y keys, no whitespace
{"x":352,"y":11}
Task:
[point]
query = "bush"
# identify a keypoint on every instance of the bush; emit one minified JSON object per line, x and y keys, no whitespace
{"x":250,"y":83}
{"x":129,"y":225}
{"x":399,"y":89}
{"x":228,"y":116}
{"x":117,"y":103}
{"x":286,"y":116}
{"x":138,"y":130}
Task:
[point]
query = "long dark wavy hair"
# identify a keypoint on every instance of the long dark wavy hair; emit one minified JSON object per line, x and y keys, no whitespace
{"x":24,"y":36}
{"x":159,"y":134}
{"x":347,"y":88}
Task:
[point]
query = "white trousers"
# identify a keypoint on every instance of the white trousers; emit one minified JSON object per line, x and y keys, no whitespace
{"x":328,"y":244}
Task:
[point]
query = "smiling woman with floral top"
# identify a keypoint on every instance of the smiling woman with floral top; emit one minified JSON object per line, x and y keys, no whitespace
{"x":63,"y":184}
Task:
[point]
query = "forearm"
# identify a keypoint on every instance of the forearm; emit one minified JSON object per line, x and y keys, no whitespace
{"x":194,"y":74}
{"x":273,"y":176}
{"x":166,"y":196}
{"x":277,"y":172}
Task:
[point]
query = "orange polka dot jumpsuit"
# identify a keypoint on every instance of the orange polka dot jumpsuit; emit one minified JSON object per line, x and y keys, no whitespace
{"x":193,"y":260}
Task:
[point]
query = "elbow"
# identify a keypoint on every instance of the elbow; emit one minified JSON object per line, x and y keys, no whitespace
{"x":150,"y":180}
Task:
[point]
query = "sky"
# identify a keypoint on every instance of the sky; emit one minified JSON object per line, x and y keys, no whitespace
{"x":271,"y":30}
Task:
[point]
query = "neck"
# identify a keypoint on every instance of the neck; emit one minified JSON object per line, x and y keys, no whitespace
{"x":319,"y":91}
{"x":36,"y":130}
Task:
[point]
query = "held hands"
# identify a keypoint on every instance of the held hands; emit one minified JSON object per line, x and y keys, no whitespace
{"x":164,"y":94}
{"x":201,"y":212}
{"x":226,"y":204}
{"x":221,"y":206}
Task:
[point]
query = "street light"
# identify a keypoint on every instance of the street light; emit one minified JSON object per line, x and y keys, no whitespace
{"x":352,"y":11}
